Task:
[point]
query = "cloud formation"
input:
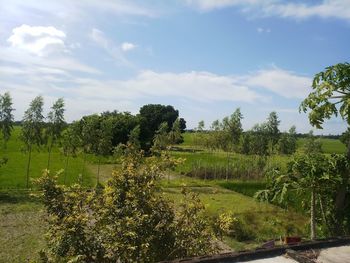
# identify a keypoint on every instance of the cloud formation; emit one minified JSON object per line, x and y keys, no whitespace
{"x":292,"y":9}
{"x":37,"y":39}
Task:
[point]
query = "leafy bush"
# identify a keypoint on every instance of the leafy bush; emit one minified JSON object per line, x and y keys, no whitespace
{"x":128,"y":220}
{"x":228,"y":225}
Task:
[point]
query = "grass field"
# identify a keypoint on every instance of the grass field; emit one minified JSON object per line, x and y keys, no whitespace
{"x":13,"y":174}
{"x":328,"y":145}
{"x":22,"y":226}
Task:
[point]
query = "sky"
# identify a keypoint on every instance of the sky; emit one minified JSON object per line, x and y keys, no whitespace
{"x":204,"y":57}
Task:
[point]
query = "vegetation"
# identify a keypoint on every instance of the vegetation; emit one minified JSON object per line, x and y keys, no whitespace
{"x":124,"y":221}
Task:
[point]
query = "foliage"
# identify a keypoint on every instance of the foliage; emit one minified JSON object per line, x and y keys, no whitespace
{"x":227,"y":224}
{"x":56,"y":125}
{"x":331,"y":97}
{"x":151,"y":117}
{"x":32,"y":129}
{"x":312,"y":145}
{"x":175,"y":136}
{"x":287,"y":143}
{"x":128,"y":220}
{"x":330,"y":89}
{"x":309,"y":176}
{"x":6,"y":116}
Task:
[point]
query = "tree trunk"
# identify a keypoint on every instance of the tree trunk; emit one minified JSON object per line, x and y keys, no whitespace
{"x":65,"y":169}
{"x":49,"y":158}
{"x":98,"y":169}
{"x":28,"y":166}
{"x":83,"y":168}
{"x":312,"y":216}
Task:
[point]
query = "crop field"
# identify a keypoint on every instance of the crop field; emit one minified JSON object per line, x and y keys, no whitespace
{"x":228,"y":184}
{"x":13,"y":174}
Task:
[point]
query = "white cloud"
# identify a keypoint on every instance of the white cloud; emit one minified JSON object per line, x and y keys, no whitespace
{"x":115,"y":51}
{"x":326,"y":9}
{"x":262,"y":30}
{"x":126,"y":46}
{"x":284,"y":83}
{"x":37,"y":39}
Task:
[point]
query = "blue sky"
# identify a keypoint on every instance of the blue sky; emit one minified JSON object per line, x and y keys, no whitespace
{"x":204,"y":57}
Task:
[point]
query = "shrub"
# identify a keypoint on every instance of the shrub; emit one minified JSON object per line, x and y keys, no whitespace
{"x":128,"y":220}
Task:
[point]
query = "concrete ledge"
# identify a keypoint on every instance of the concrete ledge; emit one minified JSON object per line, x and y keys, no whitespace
{"x":261,"y":253}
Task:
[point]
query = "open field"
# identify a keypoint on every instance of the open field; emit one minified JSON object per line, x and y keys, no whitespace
{"x":22,"y":225}
{"x":13,"y":174}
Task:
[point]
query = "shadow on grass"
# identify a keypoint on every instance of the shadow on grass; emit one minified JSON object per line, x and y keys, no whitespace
{"x":181,"y":149}
{"x":248,"y":188}
{"x":16,"y":196}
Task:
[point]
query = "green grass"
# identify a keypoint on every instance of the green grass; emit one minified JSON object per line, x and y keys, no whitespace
{"x":22,"y":227}
{"x":328,"y":145}
{"x":13,"y":173}
{"x":264,"y":220}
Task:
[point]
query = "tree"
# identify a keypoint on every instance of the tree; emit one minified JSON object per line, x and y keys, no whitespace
{"x":56,"y":125}
{"x":134,"y":138}
{"x":125,"y":221}
{"x":288,"y":142}
{"x":233,"y":126}
{"x":312,"y":172}
{"x":330,"y":97}
{"x":32,"y":129}
{"x":151,"y":116}
{"x":201,"y":126}
{"x":312,"y":144}
{"x":71,"y":141}
{"x":259,"y":140}
{"x":161,"y":138}
{"x":104,"y":141}
{"x":175,"y":136}
{"x":182,"y":125}
{"x":272,"y":130}
{"x":6,"y":117}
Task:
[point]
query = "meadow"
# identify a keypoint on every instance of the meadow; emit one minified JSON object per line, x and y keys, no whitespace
{"x":22,"y":224}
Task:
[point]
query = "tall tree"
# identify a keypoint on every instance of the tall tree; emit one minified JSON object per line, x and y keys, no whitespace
{"x":331,"y":97}
{"x":32,"y":129}
{"x":233,"y":126}
{"x":272,"y":129}
{"x":175,"y":136}
{"x":288,"y":142}
{"x":161,"y":138}
{"x":151,"y":117}
{"x":182,"y":125}
{"x":6,"y":117}
{"x":56,"y":125}
{"x":309,"y":176}
{"x":71,"y":141}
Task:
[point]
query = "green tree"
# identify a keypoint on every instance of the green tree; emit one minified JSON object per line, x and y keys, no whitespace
{"x":56,"y":125}
{"x":330,"y":97}
{"x":233,"y":127}
{"x":126,"y":221}
{"x":309,"y":176}
{"x":151,"y":117}
{"x":104,"y":141}
{"x":161,"y":138}
{"x":259,"y":141}
{"x":288,"y":142}
{"x":182,"y":125}
{"x":6,"y":117}
{"x":71,"y":142}
{"x":312,"y":144}
{"x":32,"y":129}
{"x":272,"y":130}
{"x":134,"y":138}
{"x":175,"y":136}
